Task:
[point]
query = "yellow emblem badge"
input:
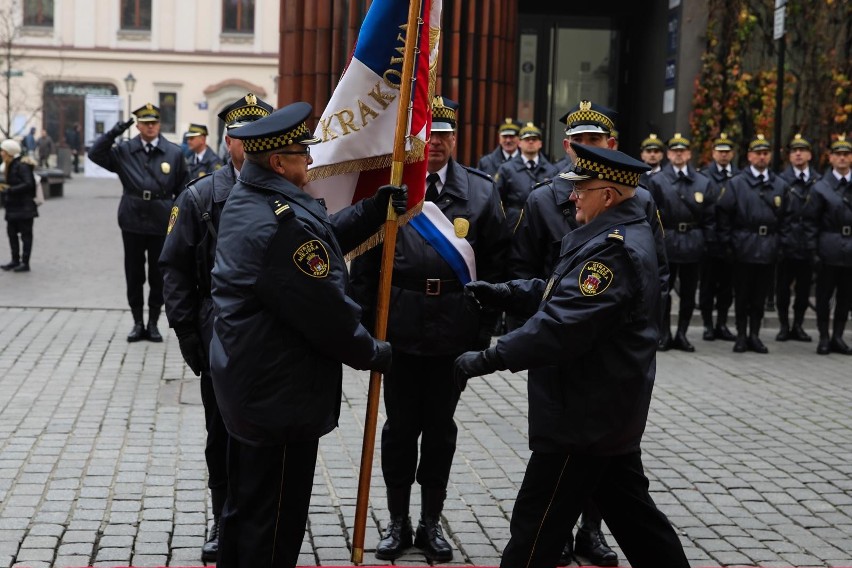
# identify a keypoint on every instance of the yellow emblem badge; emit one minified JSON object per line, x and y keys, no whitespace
{"x":461,"y":225}
{"x":777,"y":201}
{"x":595,"y":278}
{"x":165,"y":167}
{"x":312,"y":259}
{"x":172,"y":219}
{"x":699,"y":197}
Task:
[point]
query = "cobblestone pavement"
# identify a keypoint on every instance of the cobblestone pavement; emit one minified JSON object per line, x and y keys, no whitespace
{"x":101,"y":441}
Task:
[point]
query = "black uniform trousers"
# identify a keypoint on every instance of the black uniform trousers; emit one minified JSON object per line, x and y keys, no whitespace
{"x":24,"y":228}
{"x":216,"y":450}
{"x":555,"y":489}
{"x":688,"y":274}
{"x":715,"y":285}
{"x":788,"y":272}
{"x":269,"y":493}
{"x":420,"y":400}
{"x":136,"y":246}
{"x":831,"y":279}
{"x":751,"y":285}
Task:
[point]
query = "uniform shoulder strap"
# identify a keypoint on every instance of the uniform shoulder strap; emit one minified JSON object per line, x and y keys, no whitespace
{"x":205,"y":214}
{"x":281,"y":209}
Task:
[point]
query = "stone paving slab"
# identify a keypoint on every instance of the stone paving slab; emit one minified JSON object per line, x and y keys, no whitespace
{"x":101,"y":441}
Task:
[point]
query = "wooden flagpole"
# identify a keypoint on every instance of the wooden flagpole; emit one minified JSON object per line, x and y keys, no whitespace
{"x":412,"y":35}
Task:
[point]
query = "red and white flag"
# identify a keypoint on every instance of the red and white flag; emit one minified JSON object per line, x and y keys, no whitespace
{"x":357,"y":127}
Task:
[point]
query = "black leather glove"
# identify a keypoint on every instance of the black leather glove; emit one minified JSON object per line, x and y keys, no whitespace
{"x":120,"y":127}
{"x":397,"y":195}
{"x":483,"y":338}
{"x":487,"y":295}
{"x":382,"y":358}
{"x":192,"y":349}
{"x":475,"y":364}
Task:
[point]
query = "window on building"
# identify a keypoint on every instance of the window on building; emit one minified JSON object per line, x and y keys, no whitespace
{"x":238,"y":16}
{"x":38,"y":13}
{"x":168,"y":112}
{"x":136,"y":15}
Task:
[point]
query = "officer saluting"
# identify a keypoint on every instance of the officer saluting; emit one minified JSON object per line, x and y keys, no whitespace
{"x":798,"y":241}
{"x":748,"y":216}
{"x":505,"y":151}
{"x":202,"y":160}
{"x":153,"y":172}
{"x":679,"y":193}
{"x":186,"y":262}
{"x":832,"y":213}
{"x":284,"y":327}
{"x":591,"y":350}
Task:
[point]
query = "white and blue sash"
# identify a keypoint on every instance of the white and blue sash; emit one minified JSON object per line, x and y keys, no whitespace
{"x":440,"y":233}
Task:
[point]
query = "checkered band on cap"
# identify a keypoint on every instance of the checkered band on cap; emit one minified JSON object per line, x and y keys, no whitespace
{"x":652,"y":141}
{"x":267,"y":143}
{"x":841,"y":144}
{"x":799,"y":141}
{"x":759,"y":143}
{"x":678,"y":141}
{"x":597,"y":170}
{"x":439,"y":111}
{"x":588,"y":115}
{"x":250,"y":112}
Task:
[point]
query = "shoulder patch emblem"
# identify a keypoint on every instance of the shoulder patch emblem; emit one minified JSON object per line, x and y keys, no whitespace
{"x":595,"y":278}
{"x":699,"y":197}
{"x":165,"y":167}
{"x":172,"y":219}
{"x":312,"y":259}
{"x":461,"y":225}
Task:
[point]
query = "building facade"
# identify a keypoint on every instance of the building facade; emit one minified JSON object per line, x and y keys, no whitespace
{"x":499,"y":58}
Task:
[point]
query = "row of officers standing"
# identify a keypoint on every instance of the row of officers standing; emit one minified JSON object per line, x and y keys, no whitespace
{"x":266,"y":312}
{"x":731,"y":236}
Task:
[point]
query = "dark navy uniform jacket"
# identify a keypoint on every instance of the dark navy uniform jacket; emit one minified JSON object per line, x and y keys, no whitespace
{"x":832,"y":212}
{"x":798,"y":234}
{"x":515,"y":182}
{"x":549,"y":215}
{"x":284,"y":324}
{"x":209,"y":163}
{"x":18,"y":198}
{"x":591,"y":346}
{"x":683,"y":212}
{"x":490,"y":163}
{"x":430,"y":324}
{"x":150,"y":181}
{"x":748,"y":215}
{"x":713,"y":246}
{"x":189,"y":252}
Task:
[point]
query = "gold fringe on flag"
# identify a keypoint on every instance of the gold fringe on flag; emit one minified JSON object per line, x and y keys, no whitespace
{"x":416,"y":154}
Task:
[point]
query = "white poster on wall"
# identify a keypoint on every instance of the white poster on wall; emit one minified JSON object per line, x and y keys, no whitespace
{"x":101,"y":114}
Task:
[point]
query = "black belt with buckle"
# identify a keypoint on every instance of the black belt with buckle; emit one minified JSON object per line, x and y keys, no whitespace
{"x":147,"y":195}
{"x":846,"y":230}
{"x":428,"y":286}
{"x":764,"y":230}
{"x":684,"y":227}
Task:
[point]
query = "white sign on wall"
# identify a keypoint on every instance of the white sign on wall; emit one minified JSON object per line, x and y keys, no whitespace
{"x":101,"y":114}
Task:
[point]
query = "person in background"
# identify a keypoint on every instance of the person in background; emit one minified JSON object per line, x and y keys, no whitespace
{"x":798,"y":242}
{"x":202,"y":159}
{"x":46,"y":148}
{"x":651,"y":152}
{"x":73,"y":140}
{"x":152,"y":172}
{"x":17,"y":193}
{"x":506,"y":149}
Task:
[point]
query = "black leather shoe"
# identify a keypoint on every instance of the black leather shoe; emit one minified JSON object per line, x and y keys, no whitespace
{"x":567,"y":556}
{"x":783,"y":333}
{"x":837,"y":345}
{"x":138,"y":333}
{"x":210,"y":549}
{"x":824,"y":346}
{"x":430,"y":539}
{"x":756,"y":345}
{"x":153,"y":334}
{"x":681,"y":343}
{"x":665,"y":342}
{"x":799,"y":334}
{"x":396,"y":540}
{"x":723,"y":333}
{"x":11,"y":265}
{"x":592,"y":545}
{"x":741,"y":345}
{"x":709,"y":334}
{"x":23,"y":267}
